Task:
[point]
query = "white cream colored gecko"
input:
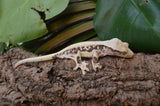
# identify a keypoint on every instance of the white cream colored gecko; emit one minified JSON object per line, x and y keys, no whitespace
{"x":88,"y":49}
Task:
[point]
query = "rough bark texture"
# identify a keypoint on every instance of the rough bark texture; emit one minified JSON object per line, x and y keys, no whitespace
{"x":120,"y":82}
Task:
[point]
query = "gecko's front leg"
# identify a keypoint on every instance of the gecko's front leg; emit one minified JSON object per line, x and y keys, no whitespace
{"x":94,"y":61}
{"x":80,"y":64}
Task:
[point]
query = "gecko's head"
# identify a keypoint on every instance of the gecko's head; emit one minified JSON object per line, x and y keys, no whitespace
{"x":121,"y":47}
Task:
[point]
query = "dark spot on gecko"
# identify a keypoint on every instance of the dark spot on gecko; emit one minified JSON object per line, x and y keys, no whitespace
{"x":78,"y":59}
{"x":95,"y":59}
{"x":98,"y":53}
{"x":54,"y":57}
{"x":0,"y":36}
{"x":74,"y":50}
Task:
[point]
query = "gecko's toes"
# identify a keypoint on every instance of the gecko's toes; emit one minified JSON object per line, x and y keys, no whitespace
{"x":82,"y":66}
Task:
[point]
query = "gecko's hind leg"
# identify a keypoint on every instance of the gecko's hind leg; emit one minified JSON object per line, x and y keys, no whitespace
{"x":94,"y":61}
{"x":80,"y":64}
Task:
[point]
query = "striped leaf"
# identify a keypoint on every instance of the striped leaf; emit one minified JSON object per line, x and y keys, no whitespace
{"x":75,"y":24}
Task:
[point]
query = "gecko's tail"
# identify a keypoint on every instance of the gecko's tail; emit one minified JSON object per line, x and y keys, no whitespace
{"x":34,"y":59}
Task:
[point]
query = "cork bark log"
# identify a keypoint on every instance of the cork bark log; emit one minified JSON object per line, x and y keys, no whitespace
{"x":120,"y":82}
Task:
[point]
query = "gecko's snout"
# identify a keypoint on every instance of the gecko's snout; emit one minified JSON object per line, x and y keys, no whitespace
{"x":124,"y":48}
{"x":129,"y":54}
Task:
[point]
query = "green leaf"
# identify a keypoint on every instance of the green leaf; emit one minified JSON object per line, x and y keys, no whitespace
{"x":20,"y":19}
{"x":134,"y":21}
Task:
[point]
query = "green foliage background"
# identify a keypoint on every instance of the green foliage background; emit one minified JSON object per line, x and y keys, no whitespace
{"x":134,"y":21}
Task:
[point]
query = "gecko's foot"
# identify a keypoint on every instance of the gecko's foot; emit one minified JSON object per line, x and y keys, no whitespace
{"x":96,"y":66}
{"x":82,"y":66}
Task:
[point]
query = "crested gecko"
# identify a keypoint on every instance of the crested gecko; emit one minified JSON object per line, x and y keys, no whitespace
{"x":88,"y":49}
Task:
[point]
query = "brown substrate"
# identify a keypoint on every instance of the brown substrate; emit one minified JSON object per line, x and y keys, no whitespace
{"x":120,"y":82}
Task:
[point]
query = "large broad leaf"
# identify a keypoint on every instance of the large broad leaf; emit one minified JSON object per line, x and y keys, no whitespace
{"x":20,"y":19}
{"x":134,"y":21}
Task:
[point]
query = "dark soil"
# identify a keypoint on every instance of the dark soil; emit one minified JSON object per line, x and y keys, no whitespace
{"x":120,"y":82}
